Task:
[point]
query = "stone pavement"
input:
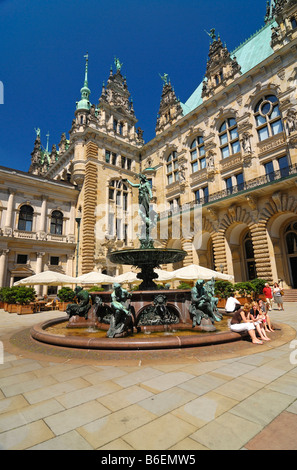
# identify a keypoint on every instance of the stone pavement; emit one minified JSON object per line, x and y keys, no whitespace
{"x":234,"y":396}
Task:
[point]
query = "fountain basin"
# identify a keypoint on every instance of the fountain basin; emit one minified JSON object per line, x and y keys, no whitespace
{"x":41,"y":333}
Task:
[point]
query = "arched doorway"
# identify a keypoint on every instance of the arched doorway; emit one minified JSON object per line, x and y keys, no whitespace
{"x":249,"y":257}
{"x":240,"y":252}
{"x":203,"y":251}
{"x":291,"y":250}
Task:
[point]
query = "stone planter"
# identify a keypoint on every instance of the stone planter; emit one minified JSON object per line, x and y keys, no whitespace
{"x":244,"y":300}
{"x":63,"y":306}
{"x":12,"y":308}
{"x":222,"y":303}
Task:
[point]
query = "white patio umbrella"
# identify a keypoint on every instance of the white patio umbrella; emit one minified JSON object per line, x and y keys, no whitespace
{"x":49,"y":278}
{"x":94,"y":277}
{"x":194,"y":272}
{"x":128,"y":277}
{"x":163,"y":276}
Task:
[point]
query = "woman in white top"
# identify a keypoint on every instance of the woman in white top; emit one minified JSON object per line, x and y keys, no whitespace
{"x":277,"y":296}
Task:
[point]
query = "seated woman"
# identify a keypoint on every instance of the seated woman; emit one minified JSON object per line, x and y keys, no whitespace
{"x":258,"y":317}
{"x":264,"y":309}
{"x":268,"y":325}
{"x":240,"y":322}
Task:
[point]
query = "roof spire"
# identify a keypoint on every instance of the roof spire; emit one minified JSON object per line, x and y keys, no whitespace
{"x":84,"y":103}
{"x":47,"y":140}
{"x":86,"y":69}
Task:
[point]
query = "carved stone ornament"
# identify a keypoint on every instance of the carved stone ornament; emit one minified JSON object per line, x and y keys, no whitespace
{"x":293,"y":141}
{"x":213,"y":213}
{"x":252,"y":201}
{"x":246,"y":143}
{"x":291,"y":121}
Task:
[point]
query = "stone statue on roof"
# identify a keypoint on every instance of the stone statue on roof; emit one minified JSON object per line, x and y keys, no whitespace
{"x":164,"y":78}
{"x":212,"y":34}
{"x":118,"y":64}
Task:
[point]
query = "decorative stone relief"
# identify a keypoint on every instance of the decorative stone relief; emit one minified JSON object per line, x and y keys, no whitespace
{"x":291,"y":121}
{"x":252,"y":201}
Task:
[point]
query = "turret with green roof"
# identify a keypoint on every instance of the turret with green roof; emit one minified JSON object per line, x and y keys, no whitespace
{"x":84,"y":103}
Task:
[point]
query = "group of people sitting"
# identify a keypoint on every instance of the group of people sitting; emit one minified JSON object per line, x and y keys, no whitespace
{"x":253,"y":318}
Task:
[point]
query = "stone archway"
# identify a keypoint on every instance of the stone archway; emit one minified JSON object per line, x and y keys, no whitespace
{"x":282,"y":229}
{"x":279,"y":212}
{"x":237,"y":261}
{"x":203,"y":252}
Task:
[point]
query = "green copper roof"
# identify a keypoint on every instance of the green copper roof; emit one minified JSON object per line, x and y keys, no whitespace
{"x":249,"y":54}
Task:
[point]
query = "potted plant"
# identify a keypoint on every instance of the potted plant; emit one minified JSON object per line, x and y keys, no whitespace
{"x":2,"y":291}
{"x":245,"y":292}
{"x":258,"y":286}
{"x":66,"y":296}
{"x":9,"y":298}
{"x":223,"y":289}
{"x":184,"y":286}
{"x":24,"y":299}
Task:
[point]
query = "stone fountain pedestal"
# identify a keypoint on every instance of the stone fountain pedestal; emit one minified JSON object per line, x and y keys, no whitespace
{"x":178,"y":303}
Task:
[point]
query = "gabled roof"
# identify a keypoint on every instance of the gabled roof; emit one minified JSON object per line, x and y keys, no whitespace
{"x":249,"y":54}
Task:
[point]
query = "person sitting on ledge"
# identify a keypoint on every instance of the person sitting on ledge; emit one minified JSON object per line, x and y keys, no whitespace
{"x":240,"y":322}
{"x":232,"y":304}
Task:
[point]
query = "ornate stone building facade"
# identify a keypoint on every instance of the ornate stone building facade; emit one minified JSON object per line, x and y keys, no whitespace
{"x":231,"y":147}
{"x":37,"y":226}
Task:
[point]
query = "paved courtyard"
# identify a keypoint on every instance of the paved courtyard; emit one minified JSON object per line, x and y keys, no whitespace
{"x":232,"y":396}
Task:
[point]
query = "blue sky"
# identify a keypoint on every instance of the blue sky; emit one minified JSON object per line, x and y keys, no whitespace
{"x":43,"y":44}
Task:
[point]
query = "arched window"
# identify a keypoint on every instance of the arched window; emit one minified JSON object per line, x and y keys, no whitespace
{"x":26,"y":218}
{"x":118,"y":205}
{"x":172,"y":168}
{"x":268,"y":117}
{"x":198,"y":160}
{"x":291,"y":246}
{"x":291,"y":239}
{"x":229,"y":139}
{"x":56,"y":223}
{"x":249,"y":257}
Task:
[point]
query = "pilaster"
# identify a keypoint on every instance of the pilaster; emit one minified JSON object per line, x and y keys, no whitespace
{"x":89,"y":219}
{"x":261,"y":252}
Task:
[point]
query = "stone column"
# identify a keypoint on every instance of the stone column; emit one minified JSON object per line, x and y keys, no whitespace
{"x":42,"y":221}
{"x":69,"y":265}
{"x":71,"y":222}
{"x":39,"y":268}
{"x":3,"y":266}
{"x":8,"y":219}
{"x":43,"y":224}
